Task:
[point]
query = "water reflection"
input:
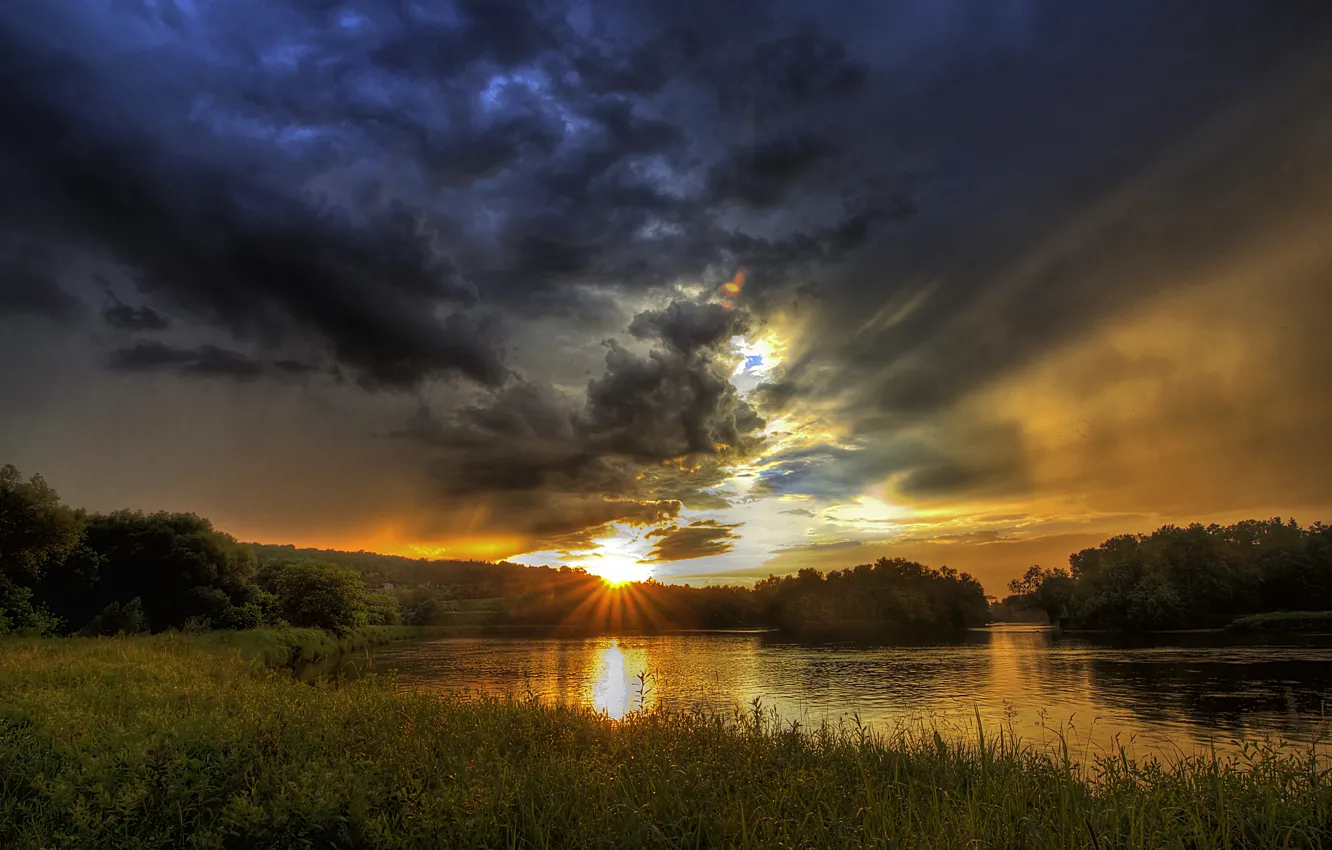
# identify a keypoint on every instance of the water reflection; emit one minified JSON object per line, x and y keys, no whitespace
{"x":1158,"y":697}
{"x":622,"y":682}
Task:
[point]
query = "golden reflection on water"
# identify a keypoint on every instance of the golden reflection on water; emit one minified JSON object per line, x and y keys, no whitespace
{"x":1046,"y":689}
{"x":616,"y":688}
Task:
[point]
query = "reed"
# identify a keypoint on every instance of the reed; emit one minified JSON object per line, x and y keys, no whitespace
{"x":169,"y":742}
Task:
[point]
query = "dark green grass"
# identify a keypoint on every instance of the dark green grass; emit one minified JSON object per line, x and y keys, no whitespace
{"x":1285,"y":621}
{"x":166,"y":742}
{"x":286,"y":646}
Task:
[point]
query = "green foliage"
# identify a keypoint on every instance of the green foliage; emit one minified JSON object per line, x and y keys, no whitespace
{"x":158,"y":742}
{"x":36,"y":530}
{"x":892,"y":597}
{"x":314,"y":595}
{"x":286,"y":646}
{"x":117,"y":619}
{"x":425,"y":605}
{"x":18,"y":614}
{"x":1180,"y":578}
{"x":178,"y":565}
{"x":381,"y":609}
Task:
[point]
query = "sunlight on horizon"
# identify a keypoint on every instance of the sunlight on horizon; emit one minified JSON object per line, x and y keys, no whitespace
{"x":618,"y":569}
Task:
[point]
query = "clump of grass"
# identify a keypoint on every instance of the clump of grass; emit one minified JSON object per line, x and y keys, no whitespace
{"x":165,"y":743}
{"x":283,"y":646}
{"x":1284,"y":621}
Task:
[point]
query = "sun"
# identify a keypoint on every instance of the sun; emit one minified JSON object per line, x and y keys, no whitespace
{"x":619,"y":568}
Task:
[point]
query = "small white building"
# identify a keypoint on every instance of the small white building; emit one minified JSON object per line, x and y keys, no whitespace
{"x":388,"y":585}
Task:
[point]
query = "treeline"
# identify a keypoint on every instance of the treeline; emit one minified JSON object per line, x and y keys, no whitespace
{"x":895,"y":596}
{"x":1183,"y":578}
{"x":464,"y":579}
{"x":66,"y":571}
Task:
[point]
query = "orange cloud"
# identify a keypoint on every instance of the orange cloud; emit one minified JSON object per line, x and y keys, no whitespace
{"x":731,"y":289}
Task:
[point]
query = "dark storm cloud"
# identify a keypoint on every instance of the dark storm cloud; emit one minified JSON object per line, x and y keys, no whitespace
{"x":645,"y":439}
{"x":666,"y":405}
{"x":207,"y":361}
{"x":125,"y":317}
{"x":699,"y":539}
{"x":257,"y":167}
{"x":935,"y":195}
{"x":28,"y":288}
{"x":762,"y":175}
{"x":688,"y":327}
{"x":1077,"y":215}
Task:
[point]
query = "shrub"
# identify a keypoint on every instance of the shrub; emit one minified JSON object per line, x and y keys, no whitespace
{"x":382,"y":609}
{"x":18,"y":614}
{"x":117,"y":619}
{"x":321,"y":596}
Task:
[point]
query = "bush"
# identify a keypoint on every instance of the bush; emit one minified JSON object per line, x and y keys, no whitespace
{"x":320,"y":596}
{"x":117,"y":619}
{"x":382,"y":609}
{"x":428,"y":612}
{"x":238,"y":617}
{"x":18,"y":614}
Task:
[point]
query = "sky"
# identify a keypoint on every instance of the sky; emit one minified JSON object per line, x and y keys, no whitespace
{"x":699,"y":291}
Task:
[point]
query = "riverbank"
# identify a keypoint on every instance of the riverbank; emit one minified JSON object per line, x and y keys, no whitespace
{"x":161,"y":742}
{"x":1287,"y":622}
{"x":283,"y":647}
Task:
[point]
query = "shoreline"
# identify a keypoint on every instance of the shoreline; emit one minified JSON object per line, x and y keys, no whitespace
{"x":153,"y":742}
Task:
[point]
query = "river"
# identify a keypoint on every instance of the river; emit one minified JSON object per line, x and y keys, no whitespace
{"x":1160,"y":695}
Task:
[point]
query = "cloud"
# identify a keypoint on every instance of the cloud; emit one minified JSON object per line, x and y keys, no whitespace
{"x":28,"y":288}
{"x":993,"y":262}
{"x":1203,"y":204}
{"x":206,"y":361}
{"x":122,"y":317}
{"x":699,"y":539}
{"x":688,"y":327}
{"x":649,"y":436}
{"x":762,"y":175}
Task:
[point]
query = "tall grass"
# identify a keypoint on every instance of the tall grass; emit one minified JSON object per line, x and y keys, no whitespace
{"x":167,"y":743}
{"x":292,"y":645}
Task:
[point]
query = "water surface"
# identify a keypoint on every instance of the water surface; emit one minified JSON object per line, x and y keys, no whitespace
{"x":1162,"y":695}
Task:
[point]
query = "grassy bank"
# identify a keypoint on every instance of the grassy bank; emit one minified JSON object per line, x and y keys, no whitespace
{"x":167,"y":743}
{"x":1284,"y":621}
{"x":289,"y":646}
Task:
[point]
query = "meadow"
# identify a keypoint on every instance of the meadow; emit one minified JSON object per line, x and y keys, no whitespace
{"x":181,"y":740}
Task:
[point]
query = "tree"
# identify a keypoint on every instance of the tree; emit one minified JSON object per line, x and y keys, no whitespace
{"x":314,"y":595}
{"x":381,"y":609}
{"x":18,"y":614}
{"x":117,"y":619}
{"x":1030,"y":581}
{"x":36,"y":530}
{"x":177,"y":564}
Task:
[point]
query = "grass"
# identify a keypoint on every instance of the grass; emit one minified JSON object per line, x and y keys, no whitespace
{"x":167,"y":742}
{"x":291,"y":645}
{"x":1284,"y":621}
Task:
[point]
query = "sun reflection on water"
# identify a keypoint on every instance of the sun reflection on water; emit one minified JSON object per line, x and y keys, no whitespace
{"x":615,"y":688}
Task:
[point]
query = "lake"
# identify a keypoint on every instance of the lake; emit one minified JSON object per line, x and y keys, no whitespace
{"x":1159,"y":695}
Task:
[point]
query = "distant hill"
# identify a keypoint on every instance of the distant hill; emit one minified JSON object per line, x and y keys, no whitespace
{"x":469,"y":579}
